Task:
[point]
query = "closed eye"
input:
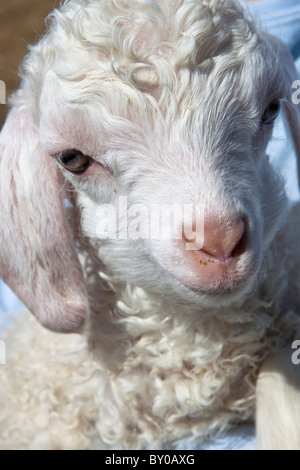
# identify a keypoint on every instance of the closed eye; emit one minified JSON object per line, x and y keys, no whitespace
{"x":74,"y":161}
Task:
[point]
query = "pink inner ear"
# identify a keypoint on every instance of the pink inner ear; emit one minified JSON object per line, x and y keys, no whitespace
{"x":37,"y":254}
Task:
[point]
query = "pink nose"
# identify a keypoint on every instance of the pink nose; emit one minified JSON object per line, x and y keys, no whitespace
{"x":216,"y":263}
{"x":223,"y":239}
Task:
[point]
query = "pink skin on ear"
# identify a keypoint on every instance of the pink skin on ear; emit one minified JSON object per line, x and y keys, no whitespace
{"x":37,"y":255}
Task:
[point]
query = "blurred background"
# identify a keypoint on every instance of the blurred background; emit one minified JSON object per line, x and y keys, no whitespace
{"x":22,"y":22}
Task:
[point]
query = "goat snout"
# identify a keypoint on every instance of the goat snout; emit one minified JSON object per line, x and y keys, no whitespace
{"x":217,"y":264}
{"x":222,"y":239}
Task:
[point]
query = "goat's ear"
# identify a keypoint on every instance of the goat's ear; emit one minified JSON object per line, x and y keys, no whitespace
{"x":37,"y":256}
{"x":291,"y":109}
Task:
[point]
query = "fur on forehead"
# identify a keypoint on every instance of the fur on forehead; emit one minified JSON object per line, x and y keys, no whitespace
{"x":137,"y":72}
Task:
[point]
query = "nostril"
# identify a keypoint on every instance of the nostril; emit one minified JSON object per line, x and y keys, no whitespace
{"x":224,"y":239}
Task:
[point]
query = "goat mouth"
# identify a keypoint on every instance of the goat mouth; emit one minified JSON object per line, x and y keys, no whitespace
{"x":221,"y":279}
{"x":210,"y":274}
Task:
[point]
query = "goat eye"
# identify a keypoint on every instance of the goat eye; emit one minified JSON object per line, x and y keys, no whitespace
{"x":271,"y":112}
{"x":74,"y":160}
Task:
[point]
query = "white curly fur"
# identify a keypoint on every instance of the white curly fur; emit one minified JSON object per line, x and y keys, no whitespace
{"x":166,"y":98}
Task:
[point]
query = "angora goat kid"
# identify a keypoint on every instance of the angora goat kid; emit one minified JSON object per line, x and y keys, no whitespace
{"x":126,"y":106}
